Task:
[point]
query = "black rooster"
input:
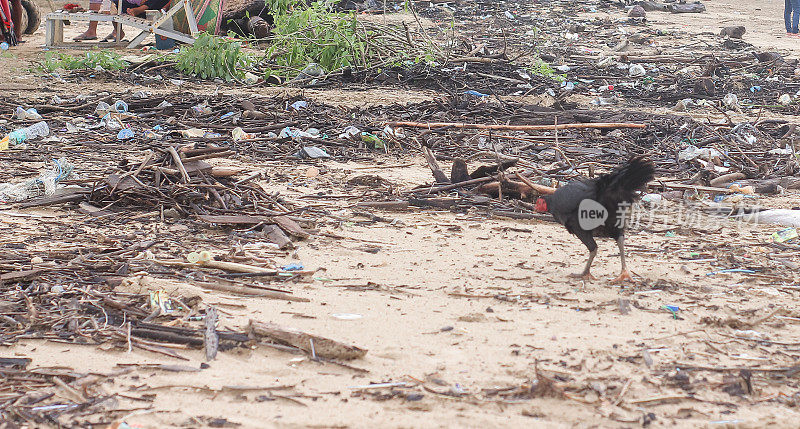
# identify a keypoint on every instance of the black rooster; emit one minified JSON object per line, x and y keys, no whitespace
{"x":591,"y":208}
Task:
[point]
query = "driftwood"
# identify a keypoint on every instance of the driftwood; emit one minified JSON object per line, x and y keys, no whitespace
{"x":250,"y":291}
{"x":727,"y":178}
{"x":309,"y":343}
{"x":438,"y":174}
{"x":220,"y":265}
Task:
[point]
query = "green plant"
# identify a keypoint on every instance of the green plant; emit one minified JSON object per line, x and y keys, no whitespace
{"x":315,"y":33}
{"x":303,"y":35}
{"x":541,"y":68}
{"x":214,"y":57}
{"x":106,"y":59}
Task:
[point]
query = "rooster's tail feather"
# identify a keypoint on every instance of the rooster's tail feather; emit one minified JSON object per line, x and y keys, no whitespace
{"x":624,"y":181}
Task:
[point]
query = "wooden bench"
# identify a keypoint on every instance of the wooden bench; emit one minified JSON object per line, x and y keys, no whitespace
{"x":54,"y":26}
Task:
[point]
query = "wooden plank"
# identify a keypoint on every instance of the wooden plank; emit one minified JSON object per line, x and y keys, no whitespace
{"x":57,"y":199}
{"x":17,"y":276}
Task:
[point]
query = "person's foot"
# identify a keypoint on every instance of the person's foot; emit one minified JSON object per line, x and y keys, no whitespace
{"x":85,"y":36}
{"x":113,"y":36}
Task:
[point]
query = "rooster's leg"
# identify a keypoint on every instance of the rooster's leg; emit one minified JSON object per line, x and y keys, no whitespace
{"x":625,"y":275}
{"x":586,"y":275}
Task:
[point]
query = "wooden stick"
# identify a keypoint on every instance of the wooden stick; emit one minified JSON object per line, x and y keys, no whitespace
{"x":438,"y":174}
{"x":251,"y":291}
{"x":692,"y":187}
{"x":544,"y":190}
{"x":622,"y":392}
{"x":179,"y":163}
{"x":601,"y":125}
{"x":220,"y":265}
{"x":435,"y":189}
{"x":323,"y":347}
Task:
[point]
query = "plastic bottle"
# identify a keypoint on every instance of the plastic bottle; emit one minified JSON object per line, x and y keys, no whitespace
{"x":3,"y":46}
{"x":784,"y":235}
{"x":39,"y":129}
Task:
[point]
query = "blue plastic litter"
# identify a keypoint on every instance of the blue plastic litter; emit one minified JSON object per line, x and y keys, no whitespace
{"x":299,"y":105}
{"x":293,"y":267}
{"x":475,"y":93}
{"x":124,"y":134}
{"x":121,"y":107}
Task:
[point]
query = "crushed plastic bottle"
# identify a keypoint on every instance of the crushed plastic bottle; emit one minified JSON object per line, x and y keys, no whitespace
{"x":785,"y":235}
{"x":312,"y":152}
{"x":311,"y":71}
{"x":731,"y":101}
{"x":350,"y":133}
{"x":111,"y":122}
{"x":102,"y":108}
{"x":392,"y":133}
{"x":250,"y":78}
{"x":684,"y":105}
{"x":238,"y":134}
{"x":26,"y":114}
{"x":636,"y":70}
{"x":201,"y":110}
{"x":652,"y":199}
{"x":693,"y":152}
{"x":16,"y":138}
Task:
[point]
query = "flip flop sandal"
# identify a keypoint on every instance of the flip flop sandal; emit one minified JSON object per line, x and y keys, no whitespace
{"x":110,"y":38}
{"x":83,"y":37}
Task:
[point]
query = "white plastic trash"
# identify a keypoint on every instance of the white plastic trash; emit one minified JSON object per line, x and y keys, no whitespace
{"x":636,"y":70}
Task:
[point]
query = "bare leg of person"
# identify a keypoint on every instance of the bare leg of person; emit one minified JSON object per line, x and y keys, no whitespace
{"x":16,"y":17}
{"x":91,"y":32}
